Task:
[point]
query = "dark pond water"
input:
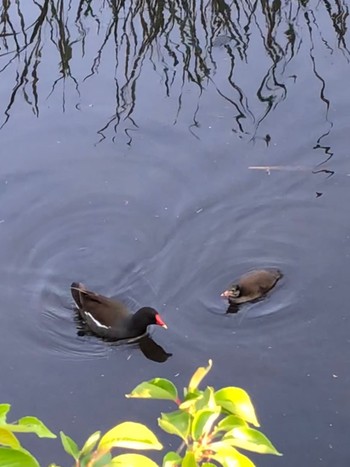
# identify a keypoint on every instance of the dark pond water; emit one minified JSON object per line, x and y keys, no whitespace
{"x":129,"y":133}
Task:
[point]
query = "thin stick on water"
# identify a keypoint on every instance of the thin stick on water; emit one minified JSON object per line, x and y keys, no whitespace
{"x":287,"y":168}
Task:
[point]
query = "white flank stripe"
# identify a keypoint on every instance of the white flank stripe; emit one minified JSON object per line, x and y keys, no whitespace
{"x":98,"y":324}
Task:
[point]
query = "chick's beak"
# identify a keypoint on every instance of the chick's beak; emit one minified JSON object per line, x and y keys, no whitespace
{"x":226,"y":294}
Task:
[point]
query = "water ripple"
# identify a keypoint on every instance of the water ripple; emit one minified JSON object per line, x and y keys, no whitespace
{"x":54,"y":242}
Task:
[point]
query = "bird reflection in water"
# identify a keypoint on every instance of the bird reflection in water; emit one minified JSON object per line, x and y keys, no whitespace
{"x":152,"y":350}
{"x":145,"y":343}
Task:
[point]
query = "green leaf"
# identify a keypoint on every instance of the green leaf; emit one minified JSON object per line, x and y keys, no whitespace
{"x":90,"y":443}
{"x":84,"y":461}
{"x":4,"y":409}
{"x":198,"y":375}
{"x":229,"y":456}
{"x":158,"y":388}
{"x":130,"y":435}
{"x":176,"y":423}
{"x":132,"y":460}
{"x":17,"y":458}
{"x":203,"y":422}
{"x":208,"y":464}
{"x":103,"y":461}
{"x":227,"y":423}
{"x":70,"y":446}
{"x":208,"y":400}
{"x":7,"y":438}
{"x":199,"y":400}
{"x":172,"y":459}
{"x":189,"y":460}
{"x":236,"y":401}
{"x":250,"y":439}
{"x":30,"y":425}
{"x":190,"y":400}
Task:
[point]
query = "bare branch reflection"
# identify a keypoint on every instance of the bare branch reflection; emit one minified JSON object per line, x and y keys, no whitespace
{"x":184,"y":44}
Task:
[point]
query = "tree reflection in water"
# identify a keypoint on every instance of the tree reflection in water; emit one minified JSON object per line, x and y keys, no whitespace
{"x":183,"y":40}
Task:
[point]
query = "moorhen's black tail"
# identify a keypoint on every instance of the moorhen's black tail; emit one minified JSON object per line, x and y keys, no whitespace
{"x":75,"y":289}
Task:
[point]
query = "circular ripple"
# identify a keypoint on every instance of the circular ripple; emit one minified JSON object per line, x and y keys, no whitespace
{"x":211,"y":249}
{"x":172,"y":252}
{"x":104,"y":240}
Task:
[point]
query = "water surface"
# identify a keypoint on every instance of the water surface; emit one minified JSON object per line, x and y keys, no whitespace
{"x":156,"y":151}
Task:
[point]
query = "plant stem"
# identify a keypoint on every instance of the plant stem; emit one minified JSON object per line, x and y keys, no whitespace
{"x":180,"y":448}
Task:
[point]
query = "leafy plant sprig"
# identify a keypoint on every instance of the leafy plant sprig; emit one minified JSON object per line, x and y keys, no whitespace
{"x":12,"y":453}
{"x":211,"y":424}
{"x":212,"y":427}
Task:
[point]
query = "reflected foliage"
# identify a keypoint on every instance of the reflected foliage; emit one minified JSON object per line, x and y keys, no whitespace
{"x":182,"y":44}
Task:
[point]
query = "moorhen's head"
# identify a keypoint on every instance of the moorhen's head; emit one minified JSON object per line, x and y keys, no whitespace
{"x":233,"y":292}
{"x":147,"y":316}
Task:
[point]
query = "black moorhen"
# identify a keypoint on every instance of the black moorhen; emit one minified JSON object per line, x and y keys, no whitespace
{"x":252,"y":286}
{"x":111,"y":319}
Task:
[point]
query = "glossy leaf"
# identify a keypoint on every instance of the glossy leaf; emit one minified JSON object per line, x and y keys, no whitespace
{"x":31,"y":425}
{"x":200,"y":400}
{"x":158,"y":388}
{"x":132,"y":460}
{"x":203,"y":422}
{"x":7,"y":438}
{"x":229,"y":456}
{"x":70,"y":446}
{"x":208,"y":400}
{"x":236,"y":401}
{"x":103,"y":461}
{"x":172,"y":459}
{"x":198,"y":375}
{"x":129,"y":435}
{"x":176,"y":423}
{"x":191,"y":400}
{"x":4,"y":409}
{"x":17,"y":458}
{"x":90,"y":443}
{"x":250,"y":439}
{"x":227,"y":423}
{"x":189,"y":460}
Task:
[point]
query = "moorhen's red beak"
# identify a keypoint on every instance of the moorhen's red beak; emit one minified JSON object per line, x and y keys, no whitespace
{"x":160,"y":322}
